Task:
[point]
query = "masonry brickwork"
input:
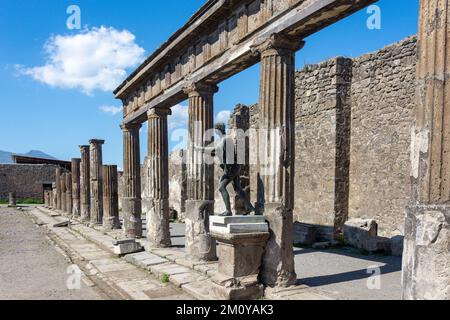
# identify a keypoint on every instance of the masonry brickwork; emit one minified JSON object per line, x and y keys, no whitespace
{"x":26,"y":180}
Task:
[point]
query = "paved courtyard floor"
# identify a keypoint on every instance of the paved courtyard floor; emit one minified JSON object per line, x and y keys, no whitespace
{"x":30,"y":266}
{"x":342,"y":273}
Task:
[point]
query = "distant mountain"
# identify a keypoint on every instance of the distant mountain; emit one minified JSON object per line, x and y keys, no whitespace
{"x":5,"y":156}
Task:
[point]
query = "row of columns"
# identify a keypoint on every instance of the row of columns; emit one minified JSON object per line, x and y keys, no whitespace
{"x":89,"y":192}
{"x":277,"y":150}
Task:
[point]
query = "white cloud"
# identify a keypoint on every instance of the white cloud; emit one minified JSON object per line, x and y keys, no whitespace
{"x":111,"y":109}
{"x":223,"y":116}
{"x":179,"y":117}
{"x":95,"y":59}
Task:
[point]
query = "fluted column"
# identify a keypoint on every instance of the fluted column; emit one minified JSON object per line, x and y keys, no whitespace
{"x":276,"y":154}
{"x":156,"y":193}
{"x":85,"y":184}
{"x":69,"y":193}
{"x":54,"y":196}
{"x":131,"y":201}
{"x":58,"y":188}
{"x":110,"y":198}
{"x":76,"y":187}
{"x":63,"y":192}
{"x":95,"y":153}
{"x":426,"y":256}
{"x":200,"y":172}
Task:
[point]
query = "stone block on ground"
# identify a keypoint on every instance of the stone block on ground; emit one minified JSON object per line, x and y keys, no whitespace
{"x":61,"y":224}
{"x":126,"y":246}
{"x":185,"y":278}
{"x":397,"y":246}
{"x":321,"y":245}
{"x":304,"y":233}
{"x":377,"y":244}
{"x":357,"y":231}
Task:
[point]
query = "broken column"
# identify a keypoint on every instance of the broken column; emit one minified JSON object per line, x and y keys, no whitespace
{"x":62,"y":183}
{"x":156,"y":193}
{"x":12,"y":199}
{"x":85,"y":184}
{"x":58,"y":188}
{"x":131,"y":201}
{"x":276,"y":154}
{"x":76,"y":187}
{"x":95,"y":152}
{"x":110,"y":198}
{"x":426,"y":256}
{"x":69,"y":193}
{"x":200,"y":173}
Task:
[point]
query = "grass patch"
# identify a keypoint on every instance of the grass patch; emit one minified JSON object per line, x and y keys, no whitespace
{"x":29,"y":201}
{"x":165,"y":278}
{"x":4,"y":201}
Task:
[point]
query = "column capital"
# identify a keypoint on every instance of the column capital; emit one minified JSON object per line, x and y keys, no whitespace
{"x":199,"y":88}
{"x":96,"y":141}
{"x":130,"y":126}
{"x":158,"y":113}
{"x":84,"y":148}
{"x":277,"y":43}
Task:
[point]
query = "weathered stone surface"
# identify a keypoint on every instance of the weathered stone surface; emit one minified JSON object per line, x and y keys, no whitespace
{"x":58,"y":172}
{"x":357,"y":231}
{"x":178,"y":183}
{"x":96,"y":180}
{"x":131,"y":201}
{"x":68,"y":193}
{"x":126,"y":246}
{"x":85,"y":184}
{"x":397,"y":245}
{"x":426,"y":259}
{"x":12,"y":199}
{"x":76,"y":205}
{"x":304,"y":233}
{"x":199,"y":243}
{"x":156,"y":194}
{"x":110,"y":198}
{"x":377,"y":244}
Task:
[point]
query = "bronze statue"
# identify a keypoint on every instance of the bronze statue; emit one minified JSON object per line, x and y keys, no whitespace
{"x":231,"y":168}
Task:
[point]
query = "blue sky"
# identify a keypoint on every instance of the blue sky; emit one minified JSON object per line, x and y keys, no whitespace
{"x":56,"y":116}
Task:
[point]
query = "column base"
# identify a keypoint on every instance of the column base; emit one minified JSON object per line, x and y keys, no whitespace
{"x":111,"y":223}
{"x":278,"y":269}
{"x":426,"y":255}
{"x":158,"y":224}
{"x":132,"y":221}
{"x":199,"y":243}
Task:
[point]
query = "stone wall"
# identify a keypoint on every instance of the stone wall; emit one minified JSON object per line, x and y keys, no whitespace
{"x":382,"y":102}
{"x":26,"y":180}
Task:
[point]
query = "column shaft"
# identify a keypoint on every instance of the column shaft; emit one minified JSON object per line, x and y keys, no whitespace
{"x":58,"y":188}
{"x":76,"y":187}
{"x":426,"y":256}
{"x":131,"y":202}
{"x":95,"y":151}
{"x":276,"y":155}
{"x":110,"y":198}
{"x":156,"y":194}
{"x":63,"y":192}
{"x":85,"y":184}
{"x":69,"y":193}
{"x":200,"y":173}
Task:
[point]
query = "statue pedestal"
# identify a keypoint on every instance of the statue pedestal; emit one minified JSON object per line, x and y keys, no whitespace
{"x":241,"y":243}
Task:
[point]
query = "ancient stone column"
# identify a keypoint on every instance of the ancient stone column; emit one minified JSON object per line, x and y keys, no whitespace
{"x":95,"y":153}
{"x":200,"y":173}
{"x":156,"y":193}
{"x":110,"y":198}
{"x":276,"y":150}
{"x":54,"y":196}
{"x":62,"y":183}
{"x":85,"y":184}
{"x":58,"y":188}
{"x":131,"y":201}
{"x":69,"y":193}
{"x":76,"y":187}
{"x":426,"y":256}
{"x":12,"y":199}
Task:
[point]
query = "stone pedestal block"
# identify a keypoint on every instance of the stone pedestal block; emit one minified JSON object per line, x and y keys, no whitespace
{"x":359,"y":231}
{"x":126,"y":246}
{"x":199,"y":243}
{"x":426,"y":255}
{"x":278,"y":262}
{"x":241,"y":243}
